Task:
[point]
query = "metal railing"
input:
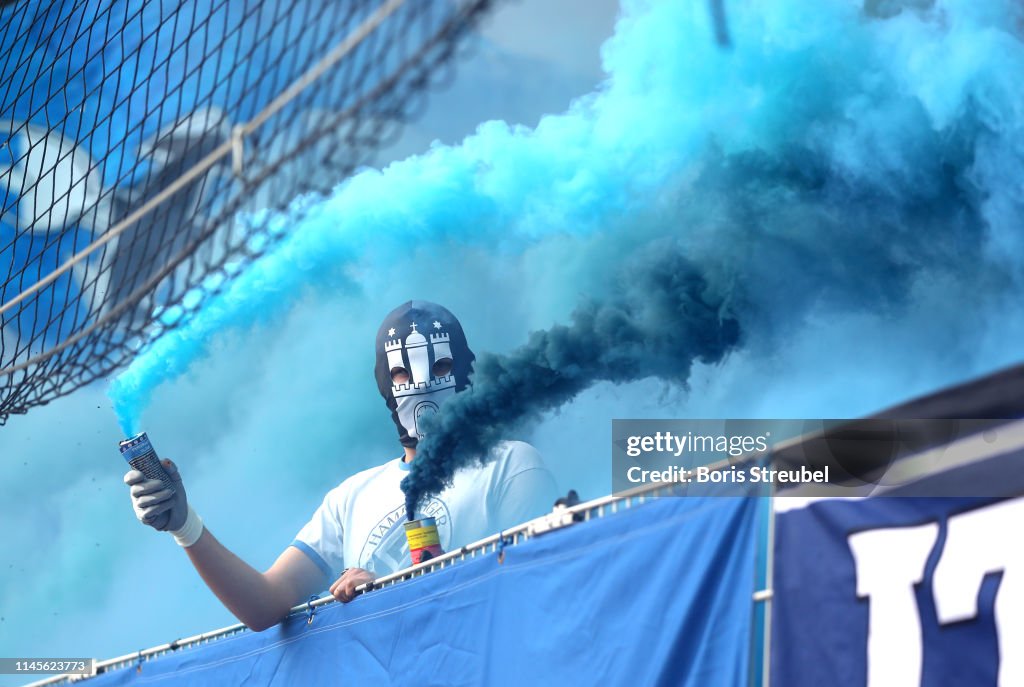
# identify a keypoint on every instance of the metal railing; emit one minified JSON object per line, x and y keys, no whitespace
{"x":559,"y":518}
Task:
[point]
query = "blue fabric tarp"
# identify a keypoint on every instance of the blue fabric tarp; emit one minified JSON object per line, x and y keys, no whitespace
{"x":821,"y":616}
{"x":920,"y":586}
{"x":655,"y":595}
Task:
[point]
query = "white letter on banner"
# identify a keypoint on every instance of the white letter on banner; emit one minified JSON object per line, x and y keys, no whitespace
{"x":980,"y":542}
{"x":890,"y":562}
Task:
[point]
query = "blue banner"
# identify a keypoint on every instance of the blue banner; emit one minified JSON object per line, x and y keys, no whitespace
{"x":655,"y":595}
{"x":899,"y":591}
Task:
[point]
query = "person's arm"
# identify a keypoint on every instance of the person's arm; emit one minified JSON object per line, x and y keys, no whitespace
{"x":260,"y":600}
{"x":257,"y":599}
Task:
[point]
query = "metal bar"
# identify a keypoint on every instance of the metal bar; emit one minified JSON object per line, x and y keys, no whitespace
{"x":766,"y":656}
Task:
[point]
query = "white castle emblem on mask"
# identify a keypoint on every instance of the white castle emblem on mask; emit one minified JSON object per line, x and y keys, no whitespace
{"x":421,"y":395}
{"x":421,"y":381}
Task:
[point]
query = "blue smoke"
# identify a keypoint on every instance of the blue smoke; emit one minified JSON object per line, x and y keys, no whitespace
{"x":831,"y":164}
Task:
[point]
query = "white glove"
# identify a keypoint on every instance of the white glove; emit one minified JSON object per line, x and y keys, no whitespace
{"x":160,"y":508}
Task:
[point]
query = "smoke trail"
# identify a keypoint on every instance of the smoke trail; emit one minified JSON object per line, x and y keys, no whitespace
{"x":828,"y":164}
{"x":504,"y":186}
{"x":866,"y":186}
{"x":660,"y":321}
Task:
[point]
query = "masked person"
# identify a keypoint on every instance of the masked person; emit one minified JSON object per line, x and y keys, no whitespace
{"x":357,"y":533}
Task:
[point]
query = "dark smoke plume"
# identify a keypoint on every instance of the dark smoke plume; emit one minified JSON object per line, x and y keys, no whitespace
{"x":660,"y":321}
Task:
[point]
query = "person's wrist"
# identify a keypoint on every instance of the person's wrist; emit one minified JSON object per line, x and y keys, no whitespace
{"x":189,"y":533}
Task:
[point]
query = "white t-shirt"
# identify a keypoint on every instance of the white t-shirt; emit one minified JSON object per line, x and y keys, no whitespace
{"x":360,"y":522}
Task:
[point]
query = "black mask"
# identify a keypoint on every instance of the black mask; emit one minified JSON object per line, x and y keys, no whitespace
{"x":424,"y":342}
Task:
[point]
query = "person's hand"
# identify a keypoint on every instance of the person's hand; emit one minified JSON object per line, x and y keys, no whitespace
{"x":153,"y":503}
{"x":344,"y":588}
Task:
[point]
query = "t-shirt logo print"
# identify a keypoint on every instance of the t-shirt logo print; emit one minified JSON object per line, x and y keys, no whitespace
{"x":421,"y":395}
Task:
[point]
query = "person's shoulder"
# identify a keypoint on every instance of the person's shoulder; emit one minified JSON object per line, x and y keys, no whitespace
{"x":359,"y":480}
{"x":517,"y":453}
{"x":511,"y":446}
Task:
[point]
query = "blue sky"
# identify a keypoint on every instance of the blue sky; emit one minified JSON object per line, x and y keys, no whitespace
{"x":847,"y":185}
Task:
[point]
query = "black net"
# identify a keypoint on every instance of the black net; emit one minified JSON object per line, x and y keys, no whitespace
{"x":141,"y":142}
